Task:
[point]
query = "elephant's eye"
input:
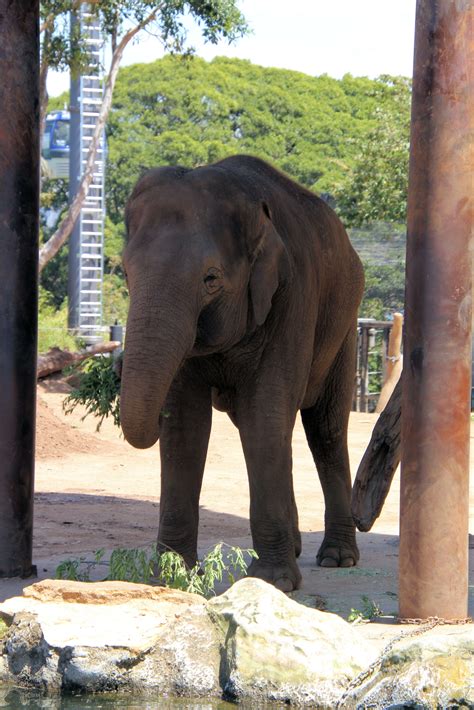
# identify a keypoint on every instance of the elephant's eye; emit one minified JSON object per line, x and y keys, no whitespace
{"x":213,"y":280}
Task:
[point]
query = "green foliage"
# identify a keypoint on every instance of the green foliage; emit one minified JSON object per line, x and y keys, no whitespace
{"x":132,"y":565}
{"x":381,"y":246}
{"x":183,"y":110}
{"x":3,"y":628}
{"x":376,"y":187}
{"x":78,"y":569}
{"x":98,"y":390}
{"x":215,"y":567}
{"x":384,"y":290}
{"x":54,"y":201}
{"x":54,"y":280}
{"x":52,"y":325}
{"x":115,"y":299}
{"x":138,"y":565}
{"x":114,"y":237}
{"x":370,"y":610}
{"x":64,"y":50}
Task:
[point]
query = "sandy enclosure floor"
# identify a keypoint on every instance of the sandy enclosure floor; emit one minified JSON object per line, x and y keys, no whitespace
{"x":95,"y":491}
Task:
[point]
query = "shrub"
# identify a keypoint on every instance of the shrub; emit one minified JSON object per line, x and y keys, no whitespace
{"x":223,"y":562}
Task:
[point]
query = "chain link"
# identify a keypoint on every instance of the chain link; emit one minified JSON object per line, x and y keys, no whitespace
{"x":393,"y":358}
{"x":423,"y":625}
{"x":437,"y":620}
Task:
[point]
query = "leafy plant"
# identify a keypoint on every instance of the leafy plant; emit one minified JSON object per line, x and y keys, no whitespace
{"x":98,"y":390}
{"x":78,"y":569}
{"x":138,"y":565}
{"x":52,"y":325}
{"x":132,"y":565}
{"x":216,"y":566}
{"x":370,"y":610}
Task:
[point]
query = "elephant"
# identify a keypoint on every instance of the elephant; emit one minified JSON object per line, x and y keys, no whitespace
{"x":244,"y":290}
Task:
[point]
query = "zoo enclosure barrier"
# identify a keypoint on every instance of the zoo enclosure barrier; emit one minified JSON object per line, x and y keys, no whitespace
{"x":371,"y":366}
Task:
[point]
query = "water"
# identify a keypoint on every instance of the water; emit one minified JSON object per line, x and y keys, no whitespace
{"x":20,"y":699}
{"x":17,"y":699}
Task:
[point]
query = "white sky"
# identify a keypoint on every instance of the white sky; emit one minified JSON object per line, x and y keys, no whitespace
{"x":363,"y":37}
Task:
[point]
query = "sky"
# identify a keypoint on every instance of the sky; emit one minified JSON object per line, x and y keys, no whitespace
{"x":335,"y":37}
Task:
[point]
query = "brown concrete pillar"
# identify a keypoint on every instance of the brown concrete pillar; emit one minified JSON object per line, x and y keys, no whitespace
{"x":437,"y":366}
{"x":19,"y":205}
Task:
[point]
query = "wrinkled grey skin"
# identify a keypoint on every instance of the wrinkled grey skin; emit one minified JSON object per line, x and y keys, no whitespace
{"x":244,"y":292}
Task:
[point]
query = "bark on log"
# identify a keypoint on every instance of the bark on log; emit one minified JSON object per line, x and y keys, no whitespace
{"x":378,"y":465}
{"x":56,"y":359}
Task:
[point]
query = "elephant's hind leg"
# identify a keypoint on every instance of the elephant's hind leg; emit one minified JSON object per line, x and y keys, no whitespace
{"x":183,"y":448}
{"x":326,"y":425}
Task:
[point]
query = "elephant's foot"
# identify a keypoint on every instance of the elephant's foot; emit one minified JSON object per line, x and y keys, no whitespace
{"x":285,"y":577}
{"x":177,"y":535}
{"x":339,"y":548}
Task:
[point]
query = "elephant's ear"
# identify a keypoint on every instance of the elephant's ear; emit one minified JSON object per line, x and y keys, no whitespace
{"x":270,"y":268}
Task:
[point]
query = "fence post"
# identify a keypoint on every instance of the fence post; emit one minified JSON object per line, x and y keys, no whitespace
{"x":437,"y":349}
{"x":364,"y":369}
{"x":19,"y":214}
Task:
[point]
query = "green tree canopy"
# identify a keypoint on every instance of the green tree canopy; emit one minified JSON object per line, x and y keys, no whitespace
{"x":376,"y":187}
{"x":189,"y":111}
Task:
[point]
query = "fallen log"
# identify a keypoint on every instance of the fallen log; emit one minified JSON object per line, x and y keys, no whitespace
{"x":378,"y":465}
{"x":56,"y":359}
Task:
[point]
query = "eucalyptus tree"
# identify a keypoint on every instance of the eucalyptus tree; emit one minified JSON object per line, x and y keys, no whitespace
{"x":122,"y":21}
{"x":375,"y":188}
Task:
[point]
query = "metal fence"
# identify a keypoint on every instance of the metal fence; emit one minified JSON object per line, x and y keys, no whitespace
{"x":372,"y":343}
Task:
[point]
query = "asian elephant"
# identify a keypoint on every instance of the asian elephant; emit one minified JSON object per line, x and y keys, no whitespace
{"x":244,"y":290}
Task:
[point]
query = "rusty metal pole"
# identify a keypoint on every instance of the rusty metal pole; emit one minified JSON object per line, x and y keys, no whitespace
{"x":437,"y":366}
{"x":19,"y":213}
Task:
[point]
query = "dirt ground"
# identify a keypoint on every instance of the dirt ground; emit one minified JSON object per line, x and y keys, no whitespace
{"x":95,"y":491}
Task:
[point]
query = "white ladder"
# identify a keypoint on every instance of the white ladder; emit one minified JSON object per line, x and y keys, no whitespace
{"x":90,"y":269}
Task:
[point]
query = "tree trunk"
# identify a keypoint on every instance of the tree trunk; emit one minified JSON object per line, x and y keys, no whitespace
{"x":56,"y":359}
{"x":378,"y":465}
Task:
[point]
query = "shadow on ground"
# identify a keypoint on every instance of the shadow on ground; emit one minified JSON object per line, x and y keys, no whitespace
{"x":72,"y":525}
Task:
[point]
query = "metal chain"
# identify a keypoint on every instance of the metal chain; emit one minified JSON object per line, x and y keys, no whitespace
{"x":424,"y":625}
{"x":439,"y":621}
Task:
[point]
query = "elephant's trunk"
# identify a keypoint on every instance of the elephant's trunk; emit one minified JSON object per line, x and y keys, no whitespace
{"x":158,"y":338}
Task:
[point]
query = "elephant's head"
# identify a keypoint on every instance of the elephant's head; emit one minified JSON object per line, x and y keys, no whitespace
{"x":203,"y":262}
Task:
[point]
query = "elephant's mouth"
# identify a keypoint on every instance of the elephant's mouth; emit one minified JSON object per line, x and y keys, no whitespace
{"x":207,"y":331}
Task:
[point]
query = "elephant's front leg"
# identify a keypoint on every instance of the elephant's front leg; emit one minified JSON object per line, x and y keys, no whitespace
{"x":185,"y":429}
{"x":266,"y":439}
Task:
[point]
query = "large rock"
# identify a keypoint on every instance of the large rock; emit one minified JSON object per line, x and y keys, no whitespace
{"x":432,"y":671}
{"x":276,"y":649}
{"x":110,"y":636}
{"x":252,"y":643}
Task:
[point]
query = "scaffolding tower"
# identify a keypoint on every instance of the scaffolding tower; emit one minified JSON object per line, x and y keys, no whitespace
{"x":86,"y":248}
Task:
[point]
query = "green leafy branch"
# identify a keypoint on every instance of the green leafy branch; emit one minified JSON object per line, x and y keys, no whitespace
{"x":222,"y":563}
{"x":98,"y":390}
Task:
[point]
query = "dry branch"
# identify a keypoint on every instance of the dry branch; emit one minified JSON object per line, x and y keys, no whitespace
{"x":378,"y":465}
